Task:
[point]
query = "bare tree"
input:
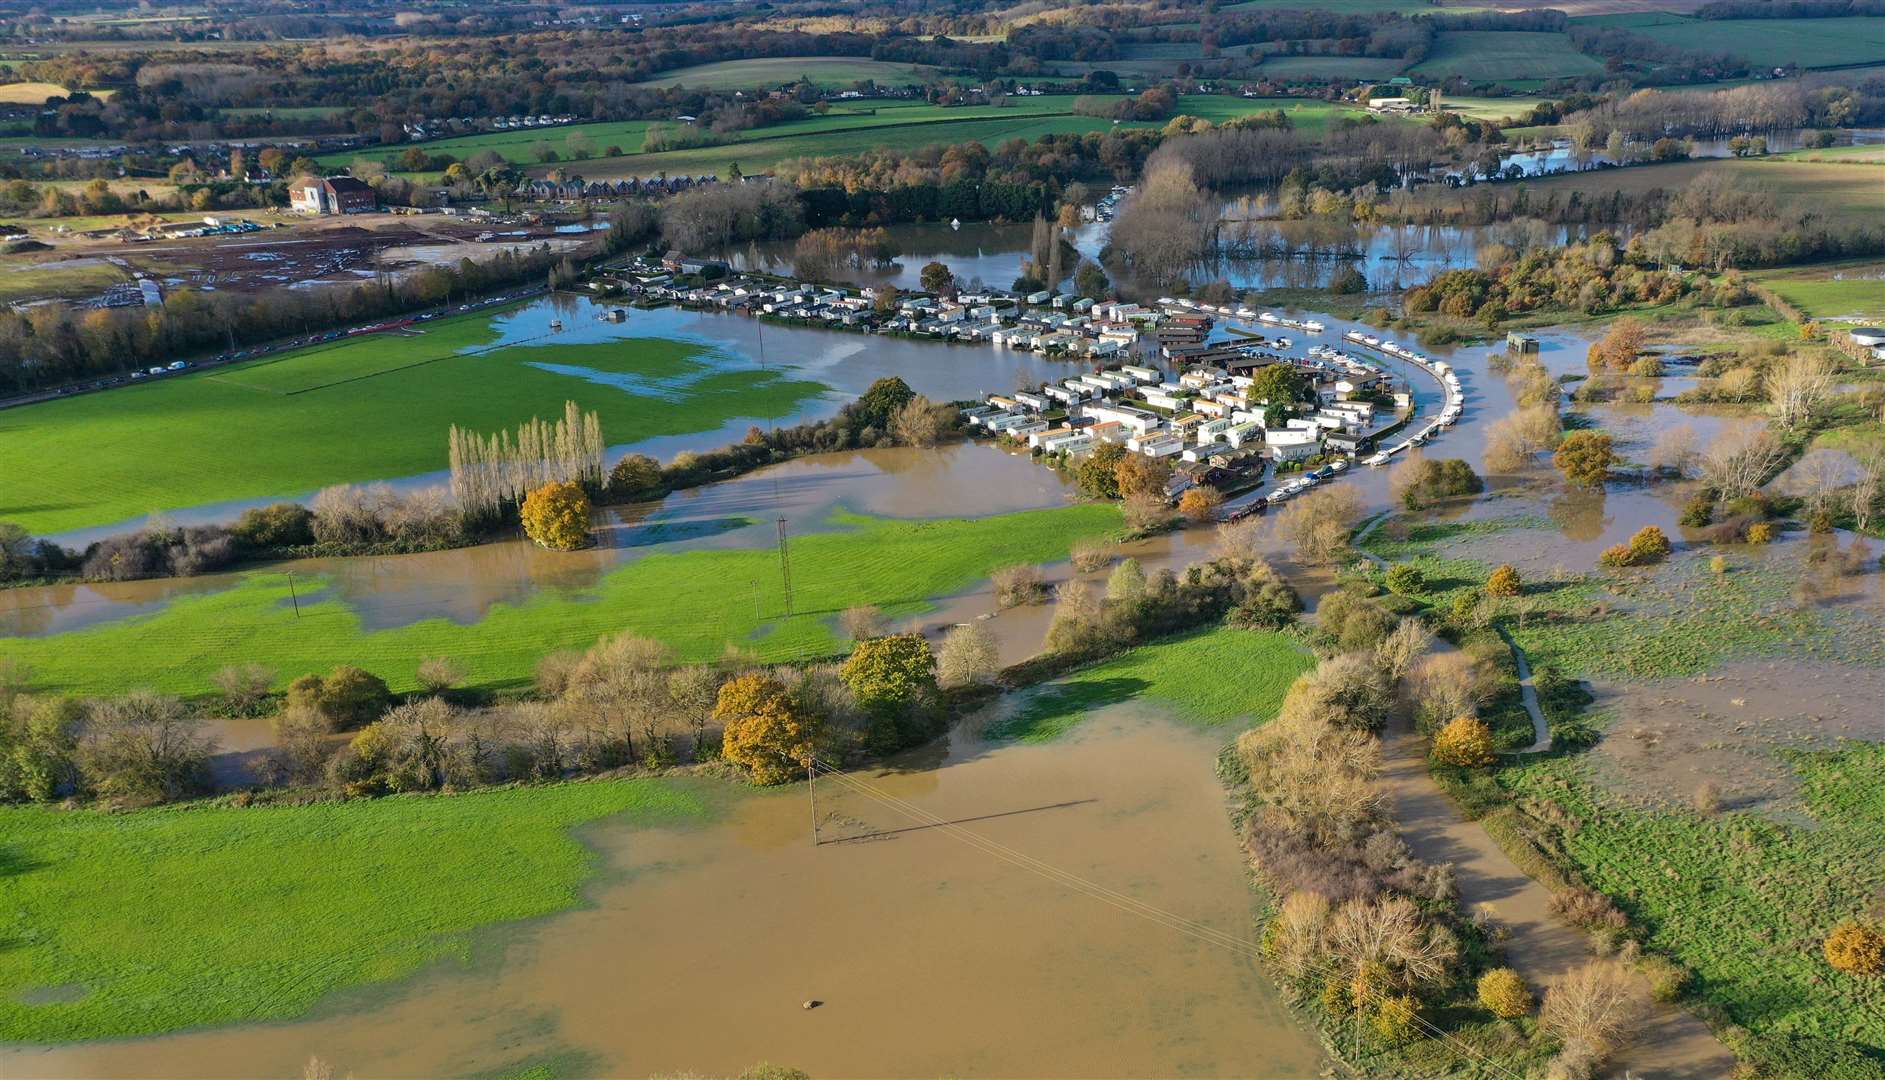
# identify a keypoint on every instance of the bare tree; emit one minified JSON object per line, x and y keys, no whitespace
{"x":1390,"y":936}
{"x":244,"y":686}
{"x":1400,"y":649}
{"x":1741,"y":459}
{"x":1866,"y":487}
{"x":1318,"y":524}
{"x":921,"y":422}
{"x":146,"y":747}
{"x":862,"y":621}
{"x":1674,"y":450}
{"x":438,"y":674}
{"x":968,"y":656}
{"x":1594,"y":1011}
{"x":1017,"y":585}
{"x":1798,"y":386}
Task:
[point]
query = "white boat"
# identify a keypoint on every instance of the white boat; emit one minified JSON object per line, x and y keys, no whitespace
{"x":1268,"y":316}
{"x":1314,"y":327}
{"x":1338,"y":465}
{"x":1379,"y":459}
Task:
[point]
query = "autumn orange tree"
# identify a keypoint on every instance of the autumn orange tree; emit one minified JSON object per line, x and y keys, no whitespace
{"x":556,"y":515}
{"x":1465,"y":741}
{"x":763,"y":729}
{"x":1200,"y":502}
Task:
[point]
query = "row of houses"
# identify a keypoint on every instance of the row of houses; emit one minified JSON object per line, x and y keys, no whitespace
{"x":1204,"y":420}
{"x":576,"y":187}
{"x":1059,"y":325}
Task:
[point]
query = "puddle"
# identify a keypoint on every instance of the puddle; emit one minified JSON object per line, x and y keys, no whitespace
{"x":1671,"y":735}
{"x":931,"y":958}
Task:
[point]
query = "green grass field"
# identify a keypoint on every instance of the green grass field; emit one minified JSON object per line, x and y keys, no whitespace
{"x":1187,"y":673}
{"x":1843,"y":291}
{"x":1743,"y":900}
{"x":369,"y":408}
{"x":1490,"y":108}
{"x":1332,"y":67}
{"x":1502,"y":55}
{"x":699,"y":601}
{"x":156,"y":920}
{"x":520,"y":147}
{"x":1849,"y":189}
{"x":1861,"y":154}
{"x":764,"y":72}
{"x":911,"y":129}
{"x":1810,"y":43}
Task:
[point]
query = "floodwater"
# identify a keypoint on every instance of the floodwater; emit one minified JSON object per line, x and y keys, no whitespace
{"x":698,"y":945}
{"x":463,"y":584}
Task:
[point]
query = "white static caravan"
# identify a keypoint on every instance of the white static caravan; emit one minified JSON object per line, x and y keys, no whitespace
{"x":1142,"y":374}
{"x":1027,"y":399}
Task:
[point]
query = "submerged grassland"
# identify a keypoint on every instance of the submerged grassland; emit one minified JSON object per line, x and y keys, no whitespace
{"x":369,"y":408}
{"x":699,"y":602}
{"x":157,"y":920}
{"x":1740,"y":896}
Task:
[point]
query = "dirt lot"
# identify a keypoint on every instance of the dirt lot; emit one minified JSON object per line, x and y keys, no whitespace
{"x":292,"y":252}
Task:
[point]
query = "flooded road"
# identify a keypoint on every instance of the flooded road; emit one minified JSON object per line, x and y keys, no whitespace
{"x":698,"y":945}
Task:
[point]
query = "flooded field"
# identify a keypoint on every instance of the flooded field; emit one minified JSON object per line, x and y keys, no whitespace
{"x":698,"y":946}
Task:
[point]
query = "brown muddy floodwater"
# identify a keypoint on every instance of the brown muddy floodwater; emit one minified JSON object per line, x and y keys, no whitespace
{"x":699,"y":944}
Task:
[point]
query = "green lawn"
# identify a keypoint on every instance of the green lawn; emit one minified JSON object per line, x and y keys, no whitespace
{"x":699,"y":601}
{"x":1502,"y":55}
{"x":1809,"y":43}
{"x":158,"y":920}
{"x":362,"y":409}
{"x":1743,"y":900}
{"x":1211,"y":677}
{"x":766,"y":72}
{"x":1849,"y":189}
{"x":1843,"y":291}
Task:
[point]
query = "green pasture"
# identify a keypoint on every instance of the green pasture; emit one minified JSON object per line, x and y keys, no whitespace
{"x":1844,"y":291}
{"x":520,"y":147}
{"x":1504,"y":55}
{"x":1332,"y":67}
{"x":361,"y":409}
{"x":913,"y":128}
{"x":698,"y":601}
{"x":1211,"y":677}
{"x":1810,"y":43}
{"x":1854,"y":190}
{"x":157,"y":920}
{"x":764,"y":72}
{"x":1741,"y":899}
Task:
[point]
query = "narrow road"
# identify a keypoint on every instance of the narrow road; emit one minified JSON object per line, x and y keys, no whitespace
{"x":1673,"y":1045}
{"x":1541,"y":732}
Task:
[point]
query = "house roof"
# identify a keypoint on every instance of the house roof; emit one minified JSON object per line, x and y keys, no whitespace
{"x":347,"y":185}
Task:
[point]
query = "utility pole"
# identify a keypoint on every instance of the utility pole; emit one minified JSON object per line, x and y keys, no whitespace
{"x":293,"y":597}
{"x":785,"y":567}
{"x":811,"y":792}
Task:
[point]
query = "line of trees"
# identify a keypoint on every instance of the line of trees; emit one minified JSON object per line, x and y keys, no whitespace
{"x":51,"y":344}
{"x":491,"y":474}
